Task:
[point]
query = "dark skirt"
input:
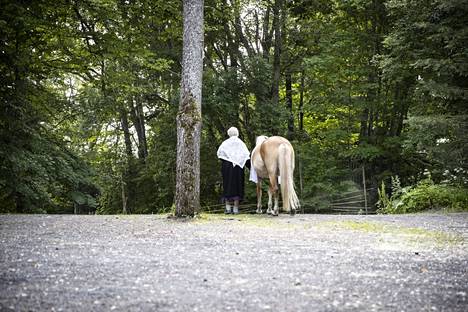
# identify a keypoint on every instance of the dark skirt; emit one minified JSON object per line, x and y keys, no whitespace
{"x":233,"y":181}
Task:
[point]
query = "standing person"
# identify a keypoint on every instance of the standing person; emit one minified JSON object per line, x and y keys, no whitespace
{"x":234,"y":156}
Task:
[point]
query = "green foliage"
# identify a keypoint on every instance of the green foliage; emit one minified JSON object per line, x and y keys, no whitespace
{"x":437,"y":143}
{"x":367,"y":152}
{"x":385,"y":203}
{"x":39,"y":172}
{"x":424,"y":196}
{"x":429,"y":41}
{"x":429,"y":196}
{"x":324,"y":176}
{"x":392,"y":203}
{"x":45,"y":178}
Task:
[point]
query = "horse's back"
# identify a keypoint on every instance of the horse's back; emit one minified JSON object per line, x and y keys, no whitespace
{"x":265,"y":155}
{"x":270,"y":152}
{"x":270,"y":148}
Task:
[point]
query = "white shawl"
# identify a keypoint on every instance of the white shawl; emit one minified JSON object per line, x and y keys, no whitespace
{"x":234,"y":150}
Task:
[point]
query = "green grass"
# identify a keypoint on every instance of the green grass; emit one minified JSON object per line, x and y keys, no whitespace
{"x":408,"y":234}
{"x":247,"y":219}
{"x":386,"y":233}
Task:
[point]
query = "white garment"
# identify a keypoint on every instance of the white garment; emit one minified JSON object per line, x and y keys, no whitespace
{"x":234,"y":150}
{"x":254,"y":178}
{"x":253,"y":174}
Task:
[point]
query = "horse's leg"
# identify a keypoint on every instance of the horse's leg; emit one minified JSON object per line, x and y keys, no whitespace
{"x":276,"y":198}
{"x":273,"y":191}
{"x":259,"y":196}
{"x":270,"y":202}
{"x":276,"y":195}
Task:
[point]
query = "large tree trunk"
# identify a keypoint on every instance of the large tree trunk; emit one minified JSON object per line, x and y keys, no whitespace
{"x":187,"y":195}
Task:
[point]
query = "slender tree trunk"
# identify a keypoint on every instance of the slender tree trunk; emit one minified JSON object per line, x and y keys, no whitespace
{"x":277,"y":53}
{"x":247,"y":123}
{"x":142,"y":130}
{"x":289,"y":104}
{"x":137,"y":117}
{"x":240,"y":33}
{"x":301,"y":104}
{"x":232,"y":42}
{"x":126,"y":132}
{"x":364,"y":119}
{"x":127,"y":170}
{"x":187,"y":194}
{"x":267,"y":34}
{"x":124,"y":194}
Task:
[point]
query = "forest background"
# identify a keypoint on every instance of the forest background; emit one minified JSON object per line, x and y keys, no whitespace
{"x":90,"y":92}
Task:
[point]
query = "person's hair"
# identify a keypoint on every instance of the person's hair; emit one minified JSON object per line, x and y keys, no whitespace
{"x":233,"y":132}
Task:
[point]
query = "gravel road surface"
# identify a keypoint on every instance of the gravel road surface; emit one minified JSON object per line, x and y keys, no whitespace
{"x":234,"y":263}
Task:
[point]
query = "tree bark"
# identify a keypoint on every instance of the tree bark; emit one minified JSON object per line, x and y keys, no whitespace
{"x":123,"y":188}
{"x":277,"y":53}
{"x":240,"y":33}
{"x":187,"y":194}
{"x":126,"y":172}
{"x":267,"y":34}
{"x":138,"y":119}
{"x":126,"y":132}
{"x":289,"y":104}
{"x":301,"y":104}
{"x":142,"y":135}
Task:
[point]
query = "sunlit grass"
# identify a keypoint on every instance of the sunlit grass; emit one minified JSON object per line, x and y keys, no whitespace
{"x":386,"y":234}
{"x":247,"y":219}
{"x":410,"y":234}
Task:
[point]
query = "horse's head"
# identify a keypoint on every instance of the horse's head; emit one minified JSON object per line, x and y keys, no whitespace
{"x":260,"y":139}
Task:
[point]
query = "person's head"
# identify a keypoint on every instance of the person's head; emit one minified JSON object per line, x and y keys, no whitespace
{"x":233,"y":132}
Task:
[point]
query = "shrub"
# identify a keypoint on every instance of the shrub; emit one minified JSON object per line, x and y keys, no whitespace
{"x":424,"y":196}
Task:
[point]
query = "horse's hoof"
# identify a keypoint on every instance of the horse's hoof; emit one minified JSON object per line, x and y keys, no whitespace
{"x":292,"y":212}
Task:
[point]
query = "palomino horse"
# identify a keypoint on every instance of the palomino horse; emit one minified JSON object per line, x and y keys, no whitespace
{"x":273,"y":158}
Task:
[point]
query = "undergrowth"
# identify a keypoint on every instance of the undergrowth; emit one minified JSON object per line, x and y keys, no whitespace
{"x":426,"y":195}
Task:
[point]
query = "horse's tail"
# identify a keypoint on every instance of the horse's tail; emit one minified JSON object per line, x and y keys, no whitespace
{"x":286,"y":171}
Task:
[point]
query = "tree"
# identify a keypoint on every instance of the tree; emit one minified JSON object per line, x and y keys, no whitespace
{"x":39,"y":172}
{"x":187,"y":196}
{"x":428,"y":45}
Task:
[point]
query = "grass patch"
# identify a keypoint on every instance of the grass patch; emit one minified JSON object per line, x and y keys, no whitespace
{"x":407,"y":234}
{"x":247,"y":219}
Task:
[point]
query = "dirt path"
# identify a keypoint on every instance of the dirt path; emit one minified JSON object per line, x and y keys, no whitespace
{"x":242,"y":263}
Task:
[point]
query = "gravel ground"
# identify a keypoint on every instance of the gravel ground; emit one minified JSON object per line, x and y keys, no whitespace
{"x":234,"y":263}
